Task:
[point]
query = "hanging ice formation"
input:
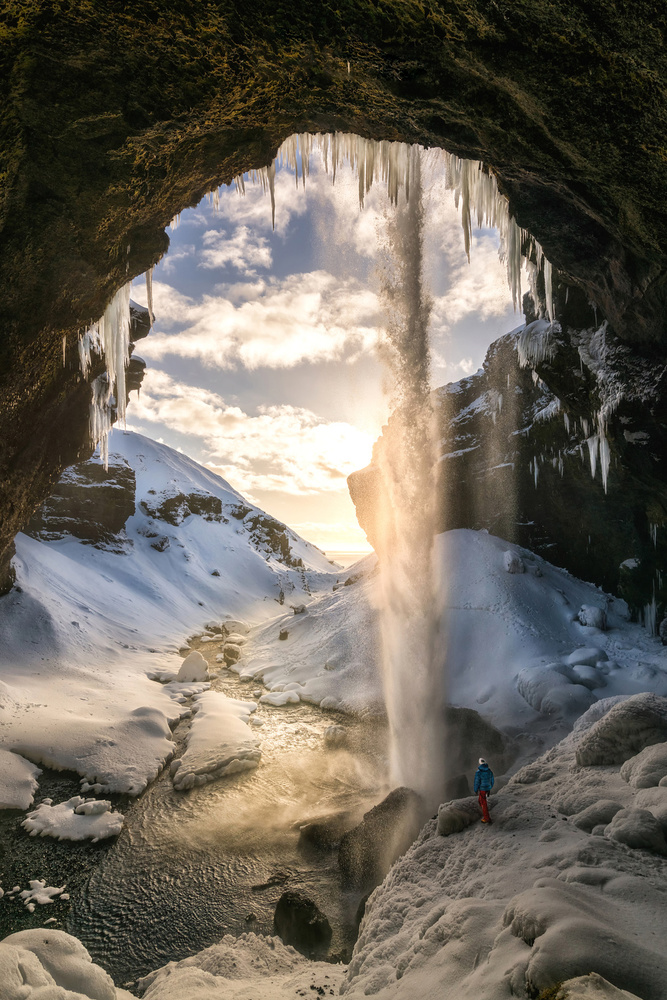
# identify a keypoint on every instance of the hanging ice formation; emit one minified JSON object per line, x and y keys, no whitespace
{"x":474,"y":189}
{"x":110,"y":337}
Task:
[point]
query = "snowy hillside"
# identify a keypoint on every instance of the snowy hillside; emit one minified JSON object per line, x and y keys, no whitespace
{"x":93,"y":616}
{"x":517,"y":651}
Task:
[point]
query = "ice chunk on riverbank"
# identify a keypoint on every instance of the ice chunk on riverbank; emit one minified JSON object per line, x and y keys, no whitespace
{"x":18,"y":781}
{"x":76,"y":819}
{"x":219,"y":742}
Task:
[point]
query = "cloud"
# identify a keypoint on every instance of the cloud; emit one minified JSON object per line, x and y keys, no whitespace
{"x":244,"y":250}
{"x":269,"y":323}
{"x":284,"y":448}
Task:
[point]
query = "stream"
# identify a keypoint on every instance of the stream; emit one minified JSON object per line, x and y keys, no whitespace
{"x":189,"y":867}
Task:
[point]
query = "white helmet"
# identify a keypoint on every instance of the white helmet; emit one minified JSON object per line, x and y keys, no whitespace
{"x":482,"y":761}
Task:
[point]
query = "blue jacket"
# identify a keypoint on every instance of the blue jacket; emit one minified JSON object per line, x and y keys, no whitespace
{"x":483,"y":779}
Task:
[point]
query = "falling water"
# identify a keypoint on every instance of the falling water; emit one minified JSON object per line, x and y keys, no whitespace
{"x":412,"y":671}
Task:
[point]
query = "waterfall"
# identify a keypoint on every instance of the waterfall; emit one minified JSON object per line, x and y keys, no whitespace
{"x":412,"y":669}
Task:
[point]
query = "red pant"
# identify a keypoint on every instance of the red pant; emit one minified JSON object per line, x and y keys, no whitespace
{"x":484,"y":807}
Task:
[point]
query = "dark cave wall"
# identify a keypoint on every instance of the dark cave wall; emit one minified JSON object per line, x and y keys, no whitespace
{"x":115,"y":117}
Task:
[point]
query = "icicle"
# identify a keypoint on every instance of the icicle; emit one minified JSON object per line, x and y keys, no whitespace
{"x":474,"y":188}
{"x":566,"y":421}
{"x":593,"y":443}
{"x":110,"y":336}
{"x":64,"y":348}
{"x":149,"y":296}
{"x":535,"y":343}
{"x":605,"y":455}
{"x":535,"y":470}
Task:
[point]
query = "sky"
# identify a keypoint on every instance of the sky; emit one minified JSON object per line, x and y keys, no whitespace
{"x":263,"y":363}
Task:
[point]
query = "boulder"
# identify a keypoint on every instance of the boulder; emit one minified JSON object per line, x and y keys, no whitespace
{"x":626,"y":729}
{"x":194,"y":668}
{"x":513,"y":562}
{"x":335,"y":736}
{"x":600,"y":812}
{"x":647,"y":768}
{"x":637,"y":828}
{"x":368,"y":851}
{"x":327,"y":831}
{"x":301,"y":923}
{"x":592,"y":616}
{"x":457,"y":815}
{"x":231,"y":653}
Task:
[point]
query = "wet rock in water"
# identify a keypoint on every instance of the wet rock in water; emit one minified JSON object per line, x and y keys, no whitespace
{"x":278,"y":878}
{"x":624,"y":731}
{"x":231,"y":653}
{"x":301,"y":923}
{"x":335,"y":736}
{"x":368,"y":851}
{"x":327,"y":831}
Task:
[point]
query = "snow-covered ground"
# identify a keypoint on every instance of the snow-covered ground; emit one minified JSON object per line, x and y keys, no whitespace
{"x":88,"y":625}
{"x":569,"y":880}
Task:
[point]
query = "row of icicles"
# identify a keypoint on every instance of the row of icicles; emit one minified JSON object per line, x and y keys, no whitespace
{"x":475,"y":190}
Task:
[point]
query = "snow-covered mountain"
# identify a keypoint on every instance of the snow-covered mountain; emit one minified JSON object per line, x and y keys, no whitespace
{"x":117,"y":572}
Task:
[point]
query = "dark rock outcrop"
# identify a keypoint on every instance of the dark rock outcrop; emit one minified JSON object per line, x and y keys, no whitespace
{"x":301,"y":923}
{"x":519,"y":446}
{"x":89,"y":503}
{"x":368,"y":851}
{"x":326,"y":832}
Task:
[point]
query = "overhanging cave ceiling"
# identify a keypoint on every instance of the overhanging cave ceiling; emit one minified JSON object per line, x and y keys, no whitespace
{"x":114,"y":117}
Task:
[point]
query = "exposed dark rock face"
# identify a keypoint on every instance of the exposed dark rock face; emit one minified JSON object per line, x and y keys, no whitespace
{"x":368,"y":851}
{"x":175,"y":507}
{"x":44,"y":428}
{"x":301,"y":923}
{"x":327,"y":832}
{"x":89,"y":503}
{"x":519,"y":445}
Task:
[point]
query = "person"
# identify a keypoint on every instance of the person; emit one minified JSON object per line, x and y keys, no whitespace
{"x":483,"y":784}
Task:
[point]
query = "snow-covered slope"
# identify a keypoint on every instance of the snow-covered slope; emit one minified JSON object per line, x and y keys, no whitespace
{"x":92,"y":617}
{"x":516,"y":649}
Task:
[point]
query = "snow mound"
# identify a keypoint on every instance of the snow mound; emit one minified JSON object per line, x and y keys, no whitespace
{"x":639,"y":829}
{"x":626,"y":729}
{"x":50,"y":965}
{"x":513,"y":562}
{"x":647,"y":768}
{"x":76,"y":819}
{"x":458,"y":815}
{"x":240,"y":968}
{"x":219,"y":742}
{"x":592,"y":987}
{"x":193,"y":669}
{"x":18,"y":781}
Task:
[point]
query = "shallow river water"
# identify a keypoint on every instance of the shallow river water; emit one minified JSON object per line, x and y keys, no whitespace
{"x":192,"y":866}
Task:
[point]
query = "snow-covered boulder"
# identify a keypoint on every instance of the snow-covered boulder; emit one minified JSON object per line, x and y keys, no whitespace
{"x":592,"y":987}
{"x":233,"y":625}
{"x":627,"y":728}
{"x":219,"y":743}
{"x":637,"y":828}
{"x":457,"y":815}
{"x":647,"y":768}
{"x":75,"y":819}
{"x":513,"y":562}
{"x":592,"y":616}
{"x":193,"y":668}
{"x":50,"y":964}
{"x":599,"y":813}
